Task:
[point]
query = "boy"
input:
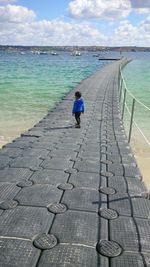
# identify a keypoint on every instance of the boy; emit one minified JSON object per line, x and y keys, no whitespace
{"x":78,"y":108}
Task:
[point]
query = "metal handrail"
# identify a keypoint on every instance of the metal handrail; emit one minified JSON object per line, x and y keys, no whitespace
{"x":137,"y":126}
{"x":137,"y":100}
{"x":131,"y":113}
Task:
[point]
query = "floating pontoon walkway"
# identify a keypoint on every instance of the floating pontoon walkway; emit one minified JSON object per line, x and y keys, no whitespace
{"x":109,"y":58}
{"x":74,"y":197}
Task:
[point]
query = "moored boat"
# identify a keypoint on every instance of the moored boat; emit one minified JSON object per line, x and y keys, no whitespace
{"x":76,"y":53}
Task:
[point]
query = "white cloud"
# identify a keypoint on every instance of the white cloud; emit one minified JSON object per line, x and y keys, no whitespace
{"x":147,"y":20}
{"x":16,"y":14}
{"x":62,"y":33}
{"x":129,"y":35}
{"x":5,"y":2}
{"x":106,"y":9}
{"x":125,"y":34}
{"x":54,"y":32}
{"x":142,"y":10}
{"x":84,"y":9}
{"x":18,"y":26}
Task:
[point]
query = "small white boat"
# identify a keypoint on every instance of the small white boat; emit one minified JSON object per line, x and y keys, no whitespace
{"x":35,"y":52}
{"x":76,"y":53}
{"x":43,"y":53}
{"x":54,"y":53}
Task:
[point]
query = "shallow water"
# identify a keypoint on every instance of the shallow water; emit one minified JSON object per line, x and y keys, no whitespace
{"x":137,"y":77}
{"x":30,"y":85}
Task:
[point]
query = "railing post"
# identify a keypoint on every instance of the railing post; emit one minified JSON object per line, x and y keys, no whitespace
{"x":124,"y":99}
{"x":131,"y":120}
{"x":120,"y":89}
{"x":119,"y":75}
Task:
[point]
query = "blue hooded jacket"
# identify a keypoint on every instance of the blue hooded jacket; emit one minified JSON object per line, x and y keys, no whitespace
{"x":78,"y":105}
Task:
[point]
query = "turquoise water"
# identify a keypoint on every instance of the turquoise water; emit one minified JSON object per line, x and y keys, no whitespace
{"x":31,"y":84}
{"x":137,"y":78}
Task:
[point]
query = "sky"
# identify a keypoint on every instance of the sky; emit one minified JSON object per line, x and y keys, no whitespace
{"x":76,"y":22}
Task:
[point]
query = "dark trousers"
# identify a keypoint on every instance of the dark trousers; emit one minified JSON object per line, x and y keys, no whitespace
{"x":77,"y":117}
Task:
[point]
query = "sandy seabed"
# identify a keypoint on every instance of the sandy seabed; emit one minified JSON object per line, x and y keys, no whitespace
{"x":14,"y":131}
{"x":144,"y":166}
{"x":141,"y":151}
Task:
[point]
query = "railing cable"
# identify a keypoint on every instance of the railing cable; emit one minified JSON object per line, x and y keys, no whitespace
{"x":123,"y":90}
{"x":137,"y":100}
{"x":137,"y":126}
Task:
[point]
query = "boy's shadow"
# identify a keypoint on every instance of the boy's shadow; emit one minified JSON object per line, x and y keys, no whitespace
{"x":59,"y":128}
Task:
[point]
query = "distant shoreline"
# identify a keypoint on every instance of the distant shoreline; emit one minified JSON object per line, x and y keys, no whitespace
{"x":72,"y":48}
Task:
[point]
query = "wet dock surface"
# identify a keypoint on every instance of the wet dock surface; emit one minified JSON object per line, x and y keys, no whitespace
{"x":74,"y":197}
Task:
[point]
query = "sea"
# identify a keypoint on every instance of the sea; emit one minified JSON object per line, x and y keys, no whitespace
{"x":137,"y":82}
{"x":31,"y":84}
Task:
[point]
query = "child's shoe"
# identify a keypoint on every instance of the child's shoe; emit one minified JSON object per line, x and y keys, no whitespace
{"x":77,"y":126}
